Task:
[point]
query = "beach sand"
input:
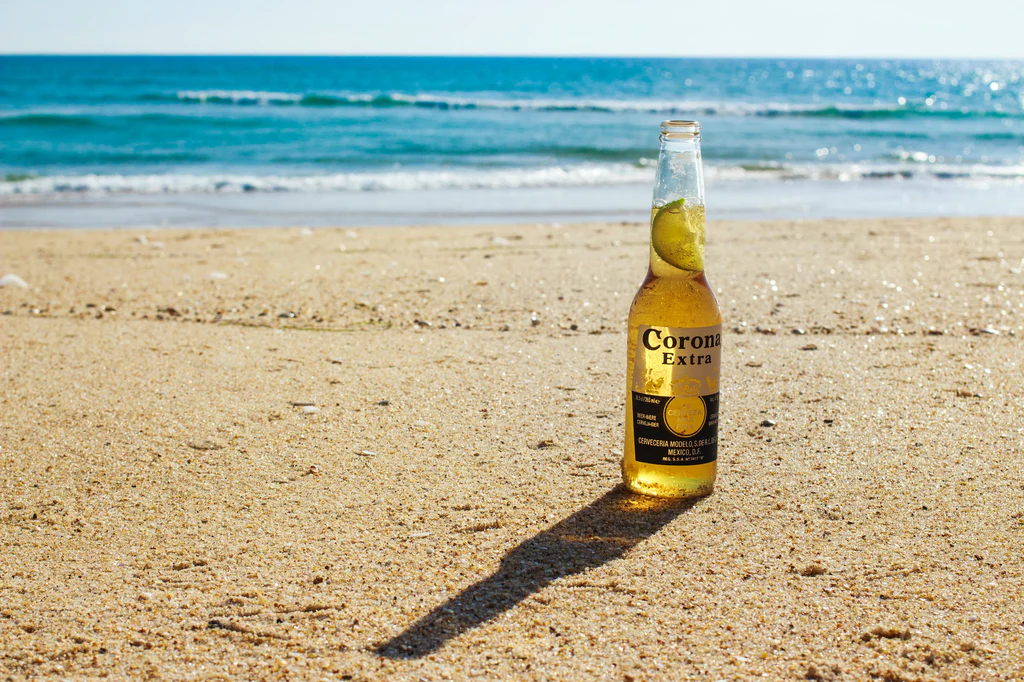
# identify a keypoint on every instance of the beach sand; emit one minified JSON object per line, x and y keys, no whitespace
{"x":394,"y":454}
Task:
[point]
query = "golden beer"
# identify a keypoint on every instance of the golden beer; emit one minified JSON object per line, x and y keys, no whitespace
{"x":674,"y":341}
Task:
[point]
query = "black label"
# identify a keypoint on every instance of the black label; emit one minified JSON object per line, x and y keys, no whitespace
{"x":675,"y":430}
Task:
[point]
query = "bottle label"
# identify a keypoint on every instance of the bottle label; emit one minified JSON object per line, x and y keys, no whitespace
{"x":675,"y":395}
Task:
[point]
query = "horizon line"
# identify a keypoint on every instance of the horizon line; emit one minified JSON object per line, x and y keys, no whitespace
{"x":499,"y":56}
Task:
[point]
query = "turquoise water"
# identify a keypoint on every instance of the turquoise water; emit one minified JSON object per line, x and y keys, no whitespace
{"x":100,"y":126}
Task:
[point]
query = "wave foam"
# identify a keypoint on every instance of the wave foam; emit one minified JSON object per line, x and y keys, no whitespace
{"x":580,"y":176}
{"x":448,"y":101}
{"x":237,"y":97}
{"x":589,"y":175}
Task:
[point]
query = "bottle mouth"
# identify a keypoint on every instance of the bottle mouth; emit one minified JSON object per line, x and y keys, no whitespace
{"x":680,"y":130}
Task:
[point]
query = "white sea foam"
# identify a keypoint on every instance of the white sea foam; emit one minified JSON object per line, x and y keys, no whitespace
{"x":238,"y":96}
{"x":679,"y":106}
{"x":586,"y":175}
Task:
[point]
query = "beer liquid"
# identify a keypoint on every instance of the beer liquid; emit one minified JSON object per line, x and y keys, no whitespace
{"x":673,"y":359}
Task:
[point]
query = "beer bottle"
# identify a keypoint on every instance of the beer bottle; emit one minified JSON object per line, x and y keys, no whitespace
{"x":675,"y":331}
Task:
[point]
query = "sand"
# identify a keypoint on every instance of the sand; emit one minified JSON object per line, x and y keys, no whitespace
{"x":393,"y":454}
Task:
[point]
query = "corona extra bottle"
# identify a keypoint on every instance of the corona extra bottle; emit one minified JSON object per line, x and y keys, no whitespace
{"x":675,"y":335}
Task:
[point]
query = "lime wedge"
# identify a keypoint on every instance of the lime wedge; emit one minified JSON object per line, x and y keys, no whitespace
{"x":676,"y":238}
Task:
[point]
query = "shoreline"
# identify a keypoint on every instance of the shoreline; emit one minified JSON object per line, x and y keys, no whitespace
{"x":393,"y":452}
{"x":727,"y":200}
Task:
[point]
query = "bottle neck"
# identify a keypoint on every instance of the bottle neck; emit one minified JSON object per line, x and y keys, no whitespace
{"x":680,"y":172}
{"x":677,"y":213}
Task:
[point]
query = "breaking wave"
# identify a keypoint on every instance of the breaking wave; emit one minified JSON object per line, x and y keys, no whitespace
{"x":429,"y":101}
{"x":513,"y":178}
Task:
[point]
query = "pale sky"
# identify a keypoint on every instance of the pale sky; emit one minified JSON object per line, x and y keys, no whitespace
{"x":798,"y":28}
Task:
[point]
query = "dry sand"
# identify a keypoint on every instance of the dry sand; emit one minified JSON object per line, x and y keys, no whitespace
{"x":170,"y":508}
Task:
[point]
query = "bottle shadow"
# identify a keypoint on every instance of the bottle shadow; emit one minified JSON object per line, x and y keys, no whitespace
{"x":600,"y":532}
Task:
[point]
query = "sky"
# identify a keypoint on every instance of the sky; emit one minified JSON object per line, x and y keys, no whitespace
{"x":790,"y":28}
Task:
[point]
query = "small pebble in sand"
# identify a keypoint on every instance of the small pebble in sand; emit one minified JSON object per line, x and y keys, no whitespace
{"x":767,"y":423}
{"x":824,"y":672}
{"x":546,"y":443}
{"x":754,"y":364}
{"x":383,"y":403}
{"x":306,"y":232}
{"x":886,"y":633}
{"x":142,"y":239}
{"x":310,"y":409}
{"x":421,"y":424}
{"x":366,"y":453}
{"x":12,"y":280}
{"x":216,"y":276}
{"x":314,"y":470}
{"x":798,"y":332}
{"x":811,"y":570}
{"x":287,"y":315}
{"x":810,"y":346}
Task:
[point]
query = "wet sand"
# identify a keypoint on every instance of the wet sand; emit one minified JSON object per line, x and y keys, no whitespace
{"x":392,"y":453}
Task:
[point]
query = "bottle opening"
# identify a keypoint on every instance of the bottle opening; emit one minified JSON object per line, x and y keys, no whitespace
{"x":680,"y":130}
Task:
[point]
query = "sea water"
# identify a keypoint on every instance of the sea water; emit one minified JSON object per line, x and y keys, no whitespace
{"x":346,"y":140}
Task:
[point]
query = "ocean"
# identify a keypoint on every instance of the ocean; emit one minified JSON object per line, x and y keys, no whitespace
{"x":367,"y":140}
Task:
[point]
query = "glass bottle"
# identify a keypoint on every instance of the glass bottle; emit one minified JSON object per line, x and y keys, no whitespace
{"x":674,"y":342}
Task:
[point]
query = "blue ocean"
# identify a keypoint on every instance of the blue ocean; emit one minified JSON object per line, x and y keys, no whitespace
{"x":366,"y":133}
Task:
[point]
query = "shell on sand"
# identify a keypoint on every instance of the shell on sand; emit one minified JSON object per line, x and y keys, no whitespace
{"x":12,"y":280}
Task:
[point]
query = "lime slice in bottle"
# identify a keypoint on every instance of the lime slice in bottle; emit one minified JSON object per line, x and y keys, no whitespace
{"x":676,"y":239}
